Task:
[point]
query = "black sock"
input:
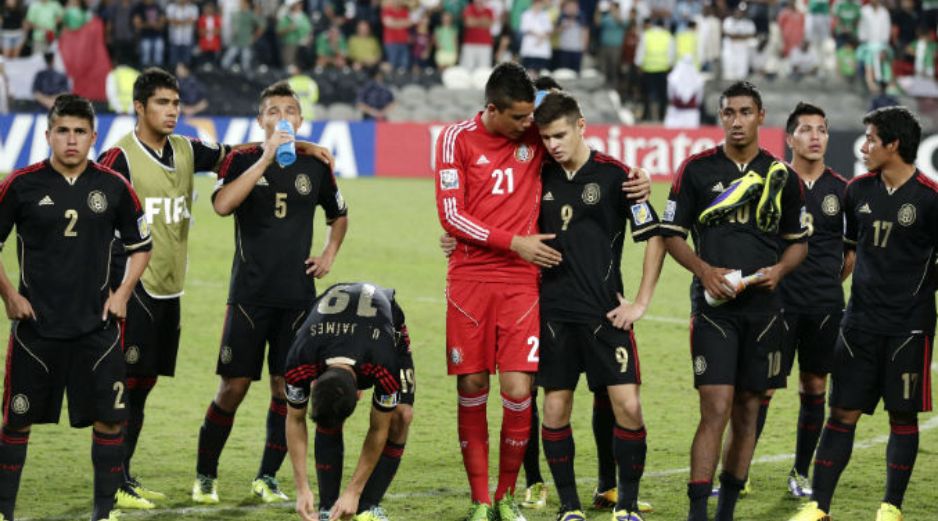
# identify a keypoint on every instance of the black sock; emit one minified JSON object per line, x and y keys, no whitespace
{"x":833,"y":453}
{"x":560,"y":451}
{"x":329,"y":452}
{"x":532,"y":456}
{"x":275,"y":449}
{"x":730,"y":486}
{"x":381,"y":477}
{"x":138,"y":389}
{"x":763,"y":412}
{"x":900,"y":460}
{"x":212,"y":437}
{"x":698,"y":492}
{"x":629,"y":447}
{"x":107,"y":456}
{"x":603,"y":423}
{"x":12,"y":457}
{"x":810,"y":421}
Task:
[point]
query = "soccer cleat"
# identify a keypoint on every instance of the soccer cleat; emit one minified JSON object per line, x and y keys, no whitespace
{"x":478,"y":512}
{"x":127,"y":497}
{"x":769,"y":209}
{"x":798,"y":486}
{"x":625,"y":515}
{"x":114,"y":515}
{"x":739,"y":193}
{"x":507,"y":510}
{"x":888,"y":512}
{"x":205,"y":490}
{"x":323,"y":515}
{"x":810,"y":512}
{"x":535,"y":496}
{"x":374,"y":514}
{"x":267,"y":488}
{"x":571,"y":515}
{"x":144,"y":492}
{"x":608,"y":499}
{"x":747,"y":488}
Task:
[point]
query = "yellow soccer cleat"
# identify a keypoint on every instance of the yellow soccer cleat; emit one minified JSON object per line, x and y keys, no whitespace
{"x":739,"y":193}
{"x":535,"y":496}
{"x":127,"y":498}
{"x":374,"y":514}
{"x":507,"y":510}
{"x":144,"y":492}
{"x":205,"y":490}
{"x":571,"y":515}
{"x":268,"y":490}
{"x":888,"y":512}
{"x":479,"y":512}
{"x":609,"y":498}
{"x":625,"y":515}
{"x":769,"y":209}
{"x":747,"y":488}
{"x":113,"y":516}
{"x":810,"y":512}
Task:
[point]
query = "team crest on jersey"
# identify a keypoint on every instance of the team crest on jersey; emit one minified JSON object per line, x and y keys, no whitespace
{"x":303,"y":184}
{"x":523,"y":153}
{"x":226,"y":355}
{"x":449,"y":179}
{"x":388,"y":400}
{"x":830,"y":205}
{"x":669,"y":210}
{"x":700,"y":365}
{"x":641,"y":214}
{"x":132,"y":355}
{"x":591,"y":193}
{"x":455,"y":356}
{"x":97,"y":201}
{"x":143,"y":227}
{"x":19,"y":404}
{"x":907,"y":214}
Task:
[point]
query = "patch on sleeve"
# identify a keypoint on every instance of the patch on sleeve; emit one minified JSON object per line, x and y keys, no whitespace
{"x":641,"y":214}
{"x":449,"y":179}
{"x":669,"y":210}
{"x":340,"y":201}
{"x":297,"y":395}
{"x":143,"y":228}
{"x":387,"y":401}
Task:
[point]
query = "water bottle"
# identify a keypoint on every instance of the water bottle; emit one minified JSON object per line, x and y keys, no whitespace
{"x":286,"y":153}
{"x":737,"y":282}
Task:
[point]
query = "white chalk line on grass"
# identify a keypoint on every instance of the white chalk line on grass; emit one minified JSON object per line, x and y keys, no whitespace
{"x":875,"y":441}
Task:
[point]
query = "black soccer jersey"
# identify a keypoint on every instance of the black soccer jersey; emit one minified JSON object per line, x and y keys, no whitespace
{"x":64,"y":234}
{"x":205,"y":156}
{"x":735,"y":242}
{"x":274,"y":229}
{"x":589,"y":213}
{"x":814,"y":286}
{"x":895,"y":236}
{"x":350,"y":324}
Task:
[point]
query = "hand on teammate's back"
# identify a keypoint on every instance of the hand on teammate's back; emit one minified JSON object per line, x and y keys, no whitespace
{"x":715,"y":283}
{"x":447,"y":244}
{"x":532,"y":249}
{"x":638,"y":187}
{"x":18,"y":308}
{"x":626,"y":313}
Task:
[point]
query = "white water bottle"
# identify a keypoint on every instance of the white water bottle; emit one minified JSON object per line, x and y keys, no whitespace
{"x":737,"y":282}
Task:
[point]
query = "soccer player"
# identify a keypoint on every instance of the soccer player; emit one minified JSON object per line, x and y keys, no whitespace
{"x":884,"y":347}
{"x":742,"y":207}
{"x":160,"y":165}
{"x":272,"y":281}
{"x":586,"y":324}
{"x":65,"y":332}
{"x":353,"y":339}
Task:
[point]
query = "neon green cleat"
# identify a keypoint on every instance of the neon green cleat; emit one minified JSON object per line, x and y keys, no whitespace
{"x":747,"y":488}
{"x":480,"y":512}
{"x":144,"y":492}
{"x":810,"y":512}
{"x":608,"y":499}
{"x":535,"y":496}
{"x":113,"y":516}
{"x":888,"y":512}
{"x":507,"y":510}
{"x":128,"y":498}
{"x":267,"y":488}
{"x":739,"y":193}
{"x":205,"y":490}
{"x":625,"y":515}
{"x":571,"y":515}
{"x":374,"y":514}
{"x":769,"y":209}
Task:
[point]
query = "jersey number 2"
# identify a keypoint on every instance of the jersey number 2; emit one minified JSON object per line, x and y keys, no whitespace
{"x":72,"y":217}
{"x":337,"y":299}
{"x":504,"y":181}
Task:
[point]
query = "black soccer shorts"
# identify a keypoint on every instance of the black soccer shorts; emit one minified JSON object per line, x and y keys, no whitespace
{"x":868,"y":367}
{"x":247,"y":331}
{"x":608,"y":355}
{"x":151,"y":335}
{"x":39,"y":370}
{"x":812,"y":336}
{"x":742,"y":350}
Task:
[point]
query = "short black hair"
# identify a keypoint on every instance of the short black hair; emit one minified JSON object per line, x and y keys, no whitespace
{"x":546,"y":83}
{"x":334,"y":397}
{"x":897,"y":124}
{"x":803,"y":109}
{"x":280,"y":88}
{"x":71,"y":105}
{"x":742,"y":88}
{"x":152,"y":79}
{"x":557,"y":105}
{"x":509,"y":83}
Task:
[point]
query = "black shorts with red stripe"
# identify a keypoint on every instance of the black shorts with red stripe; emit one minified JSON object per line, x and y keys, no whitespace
{"x":608,"y":355}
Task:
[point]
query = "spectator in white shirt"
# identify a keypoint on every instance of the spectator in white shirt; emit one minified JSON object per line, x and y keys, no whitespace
{"x":738,"y":34}
{"x":536,"y":29}
{"x":182,"y":16}
{"x":875,"y":24}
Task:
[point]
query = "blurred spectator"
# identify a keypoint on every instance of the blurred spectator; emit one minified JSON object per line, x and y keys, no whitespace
{"x":738,"y":33}
{"x":295,"y":30}
{"x":247,"y":28}
{"x":446,"y":42}
{"x":791,"y":23}
{"x":49,"y":83}
{"x":11,"y":29}
{"x":875,"y":24}
{"x":182,"y":16}
{"x":847,"y":59}
{"x":209,"y":27}
{"x":120,"y":89}
{"x":455,"y":8}
{"x":375,"y":99}
{"x":515,"y":13}
{"x":685,"y":94}
{"x":331,"y":49}
{"x":498,"y":9}
{"x":930,"y":13}
{"x":192,"y":97}
{"x":149,"y":22}
{"x":477,"y":40}
{"x":119,"y":30}
{"x":686,"y":44}
{"x":685,"y":12}
{"x":882,"y":98}
{"x":875,"y":64}
{"x":503,"y":51}
{"x":758,"y":12}
{"x":655,"y":56}
{"x":421,"y":49}
{"x":818,"y":23}
{"x":75,"y":15}
{"x":803,"y":61}
{"x":44,"y":16}
{"x":906,"y":20}
{"x":661,"y":8}
{"x":306,"y":89}
{"x":846,"y":19}
{"x":536,"y":29}
{"x":925,"y":53}
{"x":395,"y":21}
{"x":612,"y":28}
{"x":573,"y":36}
{"x":4,"y":88}
{"x":709,"y":38}
{"x":363,"y":48}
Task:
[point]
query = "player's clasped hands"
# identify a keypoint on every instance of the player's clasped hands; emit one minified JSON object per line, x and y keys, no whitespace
{"x":770,"y":278}
{"x":532,"y":249}
{"x":626,"y":313}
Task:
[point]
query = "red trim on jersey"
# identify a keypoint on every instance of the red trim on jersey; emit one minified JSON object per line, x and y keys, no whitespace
{"x":226,"y":163}
{"x":679,"y":176}
{"x":6,"y":382}
{"x":926,"y":369}
{"x":922,"y":178}
{"x":600,"y":157}
{"x":638,"y":367}
{"x":862,"y":176}
{"x":381,"y":374}
{"x":302,"y":372}
{"x":110,"y":157}
{"x":837,"y":176}
{"x":35,"y":167}
{"x":115,"y":173}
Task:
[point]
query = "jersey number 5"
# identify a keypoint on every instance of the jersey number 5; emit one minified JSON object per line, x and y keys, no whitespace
{"x":337,"y":299}
{"x":280,"y":205}
{"x":504,"y":181}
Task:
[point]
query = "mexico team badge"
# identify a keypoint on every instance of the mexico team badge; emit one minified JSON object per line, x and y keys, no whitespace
{"x":97,"y":201}
{"x":907,"y":215}
{"x":830,"y":205}
{"x":523,"y":153}
{"x":303,"y":184}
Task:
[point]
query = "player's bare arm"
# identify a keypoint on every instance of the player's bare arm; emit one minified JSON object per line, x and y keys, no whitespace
{"x":320,"y":266}
{"x":347,"y":504}
{"x":850,"y":259}
{"x":791,"y":258}
{"x":532,"y":249}
{"x":627,"y":313}
{"x":230,"y":196}
{"x":638,"y":185}
{"x":116,"y":304}
{"x":17,"y":306}
{"x":712,"y":278}
{"x":297,"y":446}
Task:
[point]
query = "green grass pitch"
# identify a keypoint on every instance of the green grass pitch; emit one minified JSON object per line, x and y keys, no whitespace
{"x":393,"y":241}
